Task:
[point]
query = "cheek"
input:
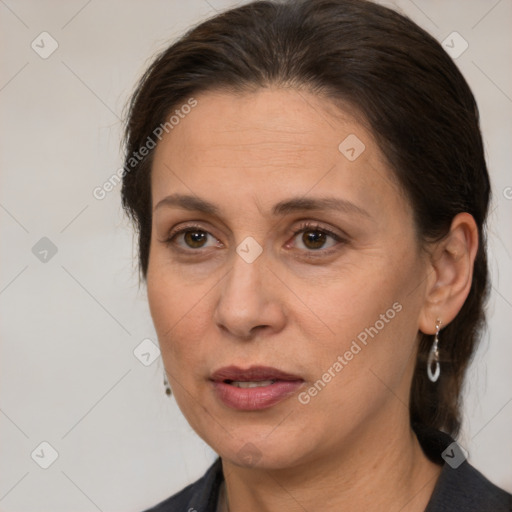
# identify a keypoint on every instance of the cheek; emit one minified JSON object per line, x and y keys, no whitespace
{"x":372,"y":317}
{"x":179,"y":315}
{"x":365,"y":366}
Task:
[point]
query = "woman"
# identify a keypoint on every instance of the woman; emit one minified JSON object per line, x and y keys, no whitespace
{"x":309,"y":187}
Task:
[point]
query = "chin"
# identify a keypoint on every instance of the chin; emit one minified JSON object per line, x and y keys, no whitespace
{"x":256,"y":452}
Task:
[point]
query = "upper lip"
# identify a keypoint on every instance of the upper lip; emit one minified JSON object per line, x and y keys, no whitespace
{"x":251,"y":374}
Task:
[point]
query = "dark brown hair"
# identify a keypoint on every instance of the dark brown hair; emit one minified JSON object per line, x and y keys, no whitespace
{"x":408,"y":91}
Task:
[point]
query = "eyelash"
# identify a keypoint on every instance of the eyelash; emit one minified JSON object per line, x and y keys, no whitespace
{"x":306,"y":226}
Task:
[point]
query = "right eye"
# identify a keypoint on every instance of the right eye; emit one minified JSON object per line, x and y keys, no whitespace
{"x":191,"y":237}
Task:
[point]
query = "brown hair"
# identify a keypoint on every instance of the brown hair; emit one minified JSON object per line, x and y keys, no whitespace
{"x":409,"y":92}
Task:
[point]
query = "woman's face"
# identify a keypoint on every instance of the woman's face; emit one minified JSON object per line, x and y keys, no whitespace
{"x":299,"y":255}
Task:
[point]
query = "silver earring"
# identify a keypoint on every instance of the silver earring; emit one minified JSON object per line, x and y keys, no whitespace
{"x":168,"y":390}
{"x":433,"y":356}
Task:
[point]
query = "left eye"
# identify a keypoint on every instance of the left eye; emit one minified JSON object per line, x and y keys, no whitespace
{"x":315,"y":238}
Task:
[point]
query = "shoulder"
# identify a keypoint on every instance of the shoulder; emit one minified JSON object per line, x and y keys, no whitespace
{"x":200,"y":496}
{"x":460,"y":486}
{"x":465,"y":488}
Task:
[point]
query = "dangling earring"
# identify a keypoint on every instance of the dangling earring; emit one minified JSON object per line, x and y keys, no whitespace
{"x":433,"y":356}
{"x":168,"y":390}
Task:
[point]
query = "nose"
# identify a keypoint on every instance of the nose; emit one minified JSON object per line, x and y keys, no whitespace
{"x":249,"y":302}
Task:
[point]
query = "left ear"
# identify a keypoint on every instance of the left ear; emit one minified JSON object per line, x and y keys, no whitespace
{"x":450,"y":273}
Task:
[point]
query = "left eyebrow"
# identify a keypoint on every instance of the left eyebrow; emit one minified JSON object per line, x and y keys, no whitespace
{"x":317,"y":203}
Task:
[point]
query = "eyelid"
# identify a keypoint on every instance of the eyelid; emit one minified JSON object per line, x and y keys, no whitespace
{"x":316,"y":226}
{"x":185,"y":227}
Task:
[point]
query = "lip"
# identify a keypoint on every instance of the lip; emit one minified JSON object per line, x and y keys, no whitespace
{"x":252,"y":373}
{"x":253,"y":399}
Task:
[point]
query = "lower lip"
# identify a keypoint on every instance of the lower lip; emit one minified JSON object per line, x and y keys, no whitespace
{"x":253,"y":399}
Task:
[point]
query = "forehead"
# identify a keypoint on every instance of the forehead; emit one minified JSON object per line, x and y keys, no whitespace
{"x":261,"y":123}
{"x":268,"y":143}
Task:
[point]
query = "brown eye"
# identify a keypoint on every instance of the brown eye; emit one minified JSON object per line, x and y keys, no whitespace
{"x":195,"y":239}
{"x":191,"y":237}
{"x":314,"y":239}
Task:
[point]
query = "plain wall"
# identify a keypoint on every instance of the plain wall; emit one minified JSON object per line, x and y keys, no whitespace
{"x":69,"y":325}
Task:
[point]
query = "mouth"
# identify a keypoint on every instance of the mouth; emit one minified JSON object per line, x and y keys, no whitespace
{"x":249,"y":384}
{"x":254,"y":388}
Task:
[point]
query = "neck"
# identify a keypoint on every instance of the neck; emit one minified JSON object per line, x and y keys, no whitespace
{"x":375,"y":470}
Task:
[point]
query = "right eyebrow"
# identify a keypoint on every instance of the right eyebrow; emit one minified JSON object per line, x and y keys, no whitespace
{"x":188,"y":202}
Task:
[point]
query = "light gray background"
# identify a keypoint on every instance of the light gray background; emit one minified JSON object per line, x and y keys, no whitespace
{"x":69,"y":325}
